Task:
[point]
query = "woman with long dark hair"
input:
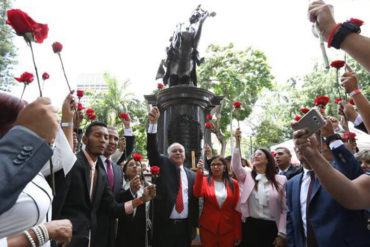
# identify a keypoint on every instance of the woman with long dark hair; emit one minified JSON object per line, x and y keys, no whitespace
{"x":220,"y":223}
{"x":132,"y":229}
{"x":262,"y":201}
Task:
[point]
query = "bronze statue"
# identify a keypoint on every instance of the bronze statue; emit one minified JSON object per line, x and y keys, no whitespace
{"x":182,"y":54}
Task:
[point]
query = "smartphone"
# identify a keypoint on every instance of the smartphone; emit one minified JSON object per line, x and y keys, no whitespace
{"x":312,"y":121}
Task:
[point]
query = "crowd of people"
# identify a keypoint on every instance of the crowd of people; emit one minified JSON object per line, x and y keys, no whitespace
{"x":63,"y":186}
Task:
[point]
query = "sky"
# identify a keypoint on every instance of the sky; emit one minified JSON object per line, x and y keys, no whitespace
{"x":128,"y":38}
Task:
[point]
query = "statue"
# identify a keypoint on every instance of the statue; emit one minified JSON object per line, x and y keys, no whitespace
{"x":182,"y":54}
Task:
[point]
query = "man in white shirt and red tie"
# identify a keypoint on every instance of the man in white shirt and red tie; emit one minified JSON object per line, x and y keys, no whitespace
{"x":176,"y":209}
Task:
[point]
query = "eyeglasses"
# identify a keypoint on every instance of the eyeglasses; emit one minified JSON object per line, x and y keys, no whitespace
{"x":217,"y":165}
{"x":257,"y":154}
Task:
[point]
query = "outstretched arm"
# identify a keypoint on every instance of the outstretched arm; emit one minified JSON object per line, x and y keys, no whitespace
{"x":152,"y":147}
{"x":236,"y":161}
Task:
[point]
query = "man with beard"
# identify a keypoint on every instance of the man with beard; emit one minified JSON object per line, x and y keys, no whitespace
{"x":86,"y":189}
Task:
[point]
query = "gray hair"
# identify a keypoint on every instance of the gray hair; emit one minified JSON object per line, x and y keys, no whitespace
{"x":169,"y":149}
{"x":112,"y":128}
{"x":363,"y":155}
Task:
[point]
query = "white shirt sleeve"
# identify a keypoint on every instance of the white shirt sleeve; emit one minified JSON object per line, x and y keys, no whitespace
{"x":4,"y":242}
{"x":335,"y":144}
{"x":128,"y":132}
{"x":358,"y":120}
{"x":63,"y":157}
{"x":152,"y":128}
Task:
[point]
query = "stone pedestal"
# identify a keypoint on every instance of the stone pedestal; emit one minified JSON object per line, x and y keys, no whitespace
{"x":183,"y":115}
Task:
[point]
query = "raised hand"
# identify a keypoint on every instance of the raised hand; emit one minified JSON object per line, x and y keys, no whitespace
{"x":154,"y":115}
{"x":149,"y":192}
{"x":200,"y":166}
{"x":60,"y":230}
{"x":69,"y":108}
{"x":238,"y":137}
{"x":349,"y":80}
{"x":135,"y":184}
{"x":122,"y":144}
{"x":321,"y":13}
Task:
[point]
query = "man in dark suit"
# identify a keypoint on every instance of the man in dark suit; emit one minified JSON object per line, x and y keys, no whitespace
{"x":313,"y":216}
{"x":175,"y":208}
{"x":85,"y":189}
{"x":24,"y":149}
{"x":107,"y":226}
{"x":283,"y":158}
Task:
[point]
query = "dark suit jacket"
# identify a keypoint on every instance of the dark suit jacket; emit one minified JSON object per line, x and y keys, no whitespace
{"x":72,"y":200}
{"x":107,"y":225}
{"x":22,"y":155}
{"x":167,"y":189}
{"x":362,"y":127}
{"x":130,"y":140}
{"x":292,"y":171}
{"x":333,"y":225}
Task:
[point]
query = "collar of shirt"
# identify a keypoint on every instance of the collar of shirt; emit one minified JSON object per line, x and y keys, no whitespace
{"x":285,"y":169}
{"x":92,"y":163}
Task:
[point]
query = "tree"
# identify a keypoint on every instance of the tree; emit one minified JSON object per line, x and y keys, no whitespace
{"x":108,"y":105}
{"x":7,"y":49}
{"x":238,"y":75}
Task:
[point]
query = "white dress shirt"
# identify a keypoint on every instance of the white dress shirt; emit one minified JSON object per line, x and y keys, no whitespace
{"x":259,"y":200}
{"x":115,"y":157}
{"x":220,"y":192}
{"x":185,"y":190}
{"x":306,"y":179}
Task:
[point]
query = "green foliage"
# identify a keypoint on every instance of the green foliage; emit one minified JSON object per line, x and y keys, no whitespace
{"x":268,"y":134}
{"x":7,"y":49}
{"x":108,"y":106}
{"x":238,"y":75}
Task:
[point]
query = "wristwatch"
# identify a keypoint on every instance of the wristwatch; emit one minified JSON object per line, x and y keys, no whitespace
{"x":70,"y":124}
{"x":345,"y":29}
{"x":332,"y":138}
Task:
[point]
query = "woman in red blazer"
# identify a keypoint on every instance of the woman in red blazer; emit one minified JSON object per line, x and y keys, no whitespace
{"x":220,"y":223}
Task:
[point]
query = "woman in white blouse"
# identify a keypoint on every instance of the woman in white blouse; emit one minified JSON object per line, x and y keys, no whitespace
{"x":28,"y":221}
{"x":262,"y":199}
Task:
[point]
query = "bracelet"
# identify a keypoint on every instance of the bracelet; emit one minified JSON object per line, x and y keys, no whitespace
{"x":139,"y":200}
{"x":39,"y":235}
{"x":344,"y":30}
{"x":69,"y":124}
{"x":330,"y":38}
{"x":45,"y":232}
{"x":280,"y":234}
{"x":354,"y":92}
{"x":30,"y":239}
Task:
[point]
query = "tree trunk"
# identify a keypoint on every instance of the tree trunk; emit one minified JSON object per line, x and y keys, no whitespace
{"x":221,"y":138}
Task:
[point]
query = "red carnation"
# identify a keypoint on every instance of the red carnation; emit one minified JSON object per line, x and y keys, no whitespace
{"x":322,"y":111}
{"x":321,"y":100}
{"x":91,"y":116}
{"x":237,"y":104}
{"x":124,"y":116}
{"x":336,"y":101}
{"x":80,"y":93}
{"x":209,"y":117}
{"x":209,"y":125}
{"x":337,"y":64}
{"x":154,"y":170}
{"x":26,"y":78}
{"x":80,"y":107}
{"x":351,"y":102}
{"x":23,"y":25}
{"x":57,"y":47}
{"x":349,"y":135}
{"x":297,"y":118}
{"x":137,"y":157}
{"x":357,"y":22}
{"x":45,"y":76}
{"x":272,"y":153}
{"x":304,"y":110}
{"x":90,"y":111}
{"x":160,"y":85}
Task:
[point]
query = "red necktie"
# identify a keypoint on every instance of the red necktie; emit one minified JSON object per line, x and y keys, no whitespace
{"x":110,"y":173}
{"x":179,"y":202}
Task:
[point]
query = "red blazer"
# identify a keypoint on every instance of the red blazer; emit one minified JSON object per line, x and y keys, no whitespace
{"x":215,"y":219}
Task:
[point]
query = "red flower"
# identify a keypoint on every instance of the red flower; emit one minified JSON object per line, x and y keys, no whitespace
{"x":137,"y":157}
{"x":209,"y":117}
{"x":57,"y":47}
{"x":91,"y":117}
{"x":45,"y":76}
{"x":90,"y":112}
{"x":237,"y":104}
{"x":154,"y":170}
{"x":272,"y":153}
{"x":124,"y":116}
{"x":304,"y":110}
{"x":24,"y":24}
{"x":80,"y":107}
{"x":357,"y":22}
{"x":349,"y":135}
{"x":337,"y":64}
{"x":322,"y":110}
{"x":26,"y":78}
{"x":321,"y":100}
{"x":351,"y":102}
{"x":297,"y":118}
{"x":209,"y":125}
{"x":338,"y":100}
{"x":160,"y":85}
{"x":80,"y":93}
